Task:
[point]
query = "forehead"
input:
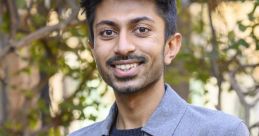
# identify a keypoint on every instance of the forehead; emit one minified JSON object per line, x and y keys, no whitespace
{"x":124,"y":10}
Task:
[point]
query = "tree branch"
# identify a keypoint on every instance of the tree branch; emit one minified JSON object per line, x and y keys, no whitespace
{"x":237,"y":88}
{"x":214,"y":54}
{"x":254,"y":126}
{"x":246,"y":66}
{"x":255,"y":102}
{"x":38,"y":34}
{"x":240,"y":92}
{"x":14,"y":16}
{"x":3,"y":100}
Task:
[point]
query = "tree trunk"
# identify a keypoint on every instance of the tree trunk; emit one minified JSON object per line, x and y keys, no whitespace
{"x":3,"y":103}
{"x":184,"y":27}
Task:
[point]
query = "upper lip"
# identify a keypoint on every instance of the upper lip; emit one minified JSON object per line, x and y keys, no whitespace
{"x":123,"y":62}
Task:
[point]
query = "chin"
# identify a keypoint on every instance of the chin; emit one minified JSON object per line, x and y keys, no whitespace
{"x":126,"y":88}
{"x":129,"y":90}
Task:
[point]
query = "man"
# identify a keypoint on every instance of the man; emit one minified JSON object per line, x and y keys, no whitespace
{"x":132,"y":41}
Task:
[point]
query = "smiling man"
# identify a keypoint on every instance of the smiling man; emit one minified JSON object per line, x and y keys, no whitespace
{"x":132,"y":41}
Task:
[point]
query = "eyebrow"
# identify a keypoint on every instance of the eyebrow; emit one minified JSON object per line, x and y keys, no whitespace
{"x":132,"y":21}
{"x":106,"y":22}
{"x":139,"y":19}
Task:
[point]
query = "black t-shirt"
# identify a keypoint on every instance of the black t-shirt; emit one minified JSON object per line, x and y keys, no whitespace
{"x":126,"y":132}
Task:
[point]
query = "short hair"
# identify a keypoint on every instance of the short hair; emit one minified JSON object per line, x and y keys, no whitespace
{"x":165,"y":8}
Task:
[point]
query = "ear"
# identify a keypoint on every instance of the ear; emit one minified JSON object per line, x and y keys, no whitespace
{"x":172,"y":47}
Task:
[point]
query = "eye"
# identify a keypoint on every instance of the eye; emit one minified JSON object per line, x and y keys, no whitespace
{"x":142,"y":31}
{"x":107,"y":34}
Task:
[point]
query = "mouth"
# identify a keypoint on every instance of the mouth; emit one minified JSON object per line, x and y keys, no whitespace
{"x":126,"y":69}
{"x":126,"y":66}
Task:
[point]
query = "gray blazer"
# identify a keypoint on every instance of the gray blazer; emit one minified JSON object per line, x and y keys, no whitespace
{"x":175,"y":117}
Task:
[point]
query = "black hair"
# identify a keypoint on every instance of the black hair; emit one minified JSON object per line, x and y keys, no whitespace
{"x":166,"y":9}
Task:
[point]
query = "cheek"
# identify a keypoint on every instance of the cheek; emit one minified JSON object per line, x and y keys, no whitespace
{"x":153,"y":47}
{"x":100,"y":57}
{"x":102,"y":50}
{"x":102,"y":46}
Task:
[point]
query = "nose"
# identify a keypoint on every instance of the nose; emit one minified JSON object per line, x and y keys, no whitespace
{"x":124,"y":45}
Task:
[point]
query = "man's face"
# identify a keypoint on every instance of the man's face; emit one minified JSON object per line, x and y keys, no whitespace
{"x":129,"y":44}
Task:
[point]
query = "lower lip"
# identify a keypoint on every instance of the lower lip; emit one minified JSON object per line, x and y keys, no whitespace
{"x":126,"y":74}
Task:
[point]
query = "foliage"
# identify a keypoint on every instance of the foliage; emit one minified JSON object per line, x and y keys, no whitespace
{"x":49,"y":55}
{"x":209,"y":53}
{"x":40,"y":39}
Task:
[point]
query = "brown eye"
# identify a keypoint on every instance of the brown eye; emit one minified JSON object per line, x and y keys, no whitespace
{"x":142,"y":31}
{"x":107,"y":34}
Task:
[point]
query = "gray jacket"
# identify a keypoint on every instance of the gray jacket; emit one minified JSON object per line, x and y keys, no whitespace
{"x":175,"y":117}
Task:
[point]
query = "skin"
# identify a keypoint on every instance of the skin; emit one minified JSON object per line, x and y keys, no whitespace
{"x":137,"y":30}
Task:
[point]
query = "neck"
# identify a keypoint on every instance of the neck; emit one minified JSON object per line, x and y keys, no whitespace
{"x":134,"y":110}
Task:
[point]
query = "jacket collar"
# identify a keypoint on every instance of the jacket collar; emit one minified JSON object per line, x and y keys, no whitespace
{"x":163,"y":121}
{"x":167,"y":116}
{"x":108,"y":122}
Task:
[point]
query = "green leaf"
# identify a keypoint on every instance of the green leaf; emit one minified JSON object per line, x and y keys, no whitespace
{"x":251,"y":16}
{"x":5,"y":23}
{"x":39,"y":20}
{"x":179,"y":5}
{"x":257,"y":45}
{"x":92,"y":117}
{"x":243,"y":42}
{"x":20,"y":3}
{"x":242,"y":27}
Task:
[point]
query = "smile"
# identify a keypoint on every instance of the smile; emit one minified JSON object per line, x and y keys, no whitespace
{"x":126,"y":67}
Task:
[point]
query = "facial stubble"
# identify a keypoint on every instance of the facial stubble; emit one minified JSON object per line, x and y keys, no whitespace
{"x":150,"y":76}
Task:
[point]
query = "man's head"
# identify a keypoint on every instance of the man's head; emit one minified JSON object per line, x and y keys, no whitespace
{"x":132,"y":40}
{"x":165,"y":8}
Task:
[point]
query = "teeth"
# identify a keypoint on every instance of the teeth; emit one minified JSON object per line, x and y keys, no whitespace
{"x":126,"y":67}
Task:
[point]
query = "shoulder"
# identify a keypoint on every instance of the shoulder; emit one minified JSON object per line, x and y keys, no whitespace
{"x":91,"y":130}
{"x":209,"y":115}
{"x":98,"y":128}
{"x":215,"y":122}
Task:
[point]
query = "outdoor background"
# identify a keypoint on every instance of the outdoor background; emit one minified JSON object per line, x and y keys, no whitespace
{"x":49,"y":85}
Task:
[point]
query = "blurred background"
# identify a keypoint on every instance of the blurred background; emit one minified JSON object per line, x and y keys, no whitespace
{"x":49,"y":85}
